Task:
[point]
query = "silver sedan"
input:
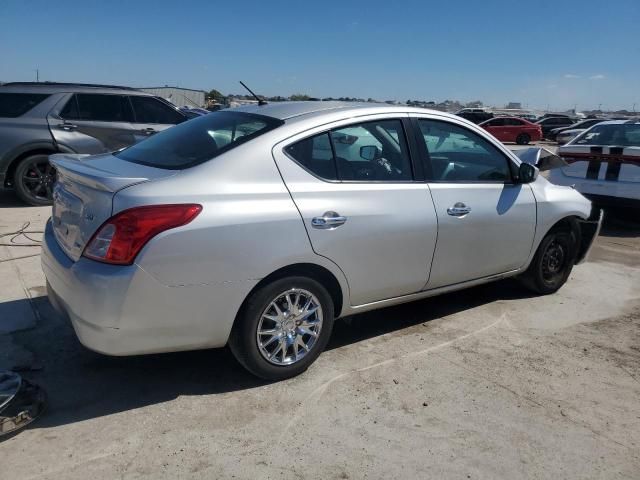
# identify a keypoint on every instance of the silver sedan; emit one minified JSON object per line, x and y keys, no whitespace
{"x":259,"y":226}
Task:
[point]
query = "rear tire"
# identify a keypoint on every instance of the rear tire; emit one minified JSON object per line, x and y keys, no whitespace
{"x":33,"y":180}
{"x":552,"y":263}
{"x":269,"y":340}
{"x":523,"y":139}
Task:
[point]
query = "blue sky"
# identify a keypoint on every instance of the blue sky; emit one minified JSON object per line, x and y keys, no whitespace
{"x":541,"y":53}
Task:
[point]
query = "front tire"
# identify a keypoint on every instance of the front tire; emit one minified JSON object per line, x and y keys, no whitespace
{"x":283,"y":327}
{"x":33,"y":180}
{"x":552,"y":263}
{"x":523,"y":139}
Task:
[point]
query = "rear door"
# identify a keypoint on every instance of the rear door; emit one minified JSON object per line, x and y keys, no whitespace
{"x":353,"y":183}
{"x":495,"y":127}
{"x":513,"y":127}
{"x":486,"y":222}
{"x":93,"y":123}
{"x":152,"y":115}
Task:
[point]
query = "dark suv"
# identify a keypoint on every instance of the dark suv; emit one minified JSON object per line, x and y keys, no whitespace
{"x":38,"y":119}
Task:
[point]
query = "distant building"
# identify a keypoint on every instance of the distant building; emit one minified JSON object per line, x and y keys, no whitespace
{"x":180,"y":97}
{"x":514,"y":105}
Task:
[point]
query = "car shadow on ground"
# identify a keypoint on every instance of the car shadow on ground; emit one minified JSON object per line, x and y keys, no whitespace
{"x":81,"y":384}
{"x":622,"y":223}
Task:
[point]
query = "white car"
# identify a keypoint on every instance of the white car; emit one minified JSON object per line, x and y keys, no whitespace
{"x":566,"y":136}
{"x":604,"y":163}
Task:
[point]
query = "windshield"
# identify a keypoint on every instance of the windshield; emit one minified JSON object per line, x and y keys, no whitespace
{"x":621,"y":134}
{"x":198,"y":140}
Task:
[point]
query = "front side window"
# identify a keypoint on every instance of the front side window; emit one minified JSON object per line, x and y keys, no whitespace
{"x":198,"y":140}
{"x":152,"y":110}
{"x":513,"y":122}
{"x":496,"y":122}
{"x":97,"y":107}
{"x":13,"y":105}
{"x":457,"y":154}
{"x":370,"y":151}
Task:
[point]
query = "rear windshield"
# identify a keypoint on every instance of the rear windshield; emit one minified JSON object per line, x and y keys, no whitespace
{"x":15,"y":104}
{"x":616,"y":135}
{"x":198,"y":140}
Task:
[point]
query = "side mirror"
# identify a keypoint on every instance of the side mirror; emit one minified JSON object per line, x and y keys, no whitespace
{"x":370,"y":152}
{"x":527,"y":173}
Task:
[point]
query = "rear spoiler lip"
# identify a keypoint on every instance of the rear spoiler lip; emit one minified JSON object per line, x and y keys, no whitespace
{"x":71,"y":165}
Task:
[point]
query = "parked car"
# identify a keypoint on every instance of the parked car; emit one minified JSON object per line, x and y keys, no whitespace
{"x":549,"y":123}
{"x":193,"y":112}
{"x":513,"y":129}
{"x":475,"y":115}
{"x":581,"y":125}
{"x":604,"y":163}
{"x":566,"y":136}
{"x":38,"y":119}
{"x":259,"y":226}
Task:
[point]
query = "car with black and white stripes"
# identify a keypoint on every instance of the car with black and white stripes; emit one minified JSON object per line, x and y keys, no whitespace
{"x":604,"y":163}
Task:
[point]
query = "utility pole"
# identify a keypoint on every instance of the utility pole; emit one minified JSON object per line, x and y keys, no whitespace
{"x":37,"y":75}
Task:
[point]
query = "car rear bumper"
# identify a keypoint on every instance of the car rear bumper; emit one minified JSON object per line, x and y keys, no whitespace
{"x":123,"y":310}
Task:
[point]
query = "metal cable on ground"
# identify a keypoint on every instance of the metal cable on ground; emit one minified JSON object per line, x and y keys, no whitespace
{"x":21,"y":232}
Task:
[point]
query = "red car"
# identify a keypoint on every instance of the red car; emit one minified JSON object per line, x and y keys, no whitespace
{"x":513,"y":129}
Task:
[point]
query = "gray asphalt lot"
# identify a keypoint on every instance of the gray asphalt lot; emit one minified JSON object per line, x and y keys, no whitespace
{"x":486,"y":383}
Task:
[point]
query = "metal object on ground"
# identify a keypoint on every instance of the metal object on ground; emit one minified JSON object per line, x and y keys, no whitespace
{"x":21,"y":402}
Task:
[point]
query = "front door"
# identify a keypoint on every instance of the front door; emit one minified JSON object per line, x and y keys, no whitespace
{"x":152,"y":115}
{"x":486,"y":222}
{"x":354,"y":187}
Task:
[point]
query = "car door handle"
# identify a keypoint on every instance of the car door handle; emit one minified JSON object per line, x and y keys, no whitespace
{"x":68,"y":126}
{"x":328,"y":221}
{"x":458,"y":210}
{"x":148,"y":131}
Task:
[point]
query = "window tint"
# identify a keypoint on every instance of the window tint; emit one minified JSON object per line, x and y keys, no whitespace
{"x":615,"y":135}
{"x":315,"y":155}
{"x":70,"y":110}
{"x":103,"y":108}
{"x":374,"y":151}
{"x":371,"y":151}
{"x":496,"y":122}
{"x":15,"y":104}
{"x":459,"y":155}
{"x":152,"y":110}
{"x":513,"y":122}
{"x":198,"y":140}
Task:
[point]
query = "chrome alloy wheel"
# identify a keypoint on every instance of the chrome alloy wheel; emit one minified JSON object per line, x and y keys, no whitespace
{"x":289,"y":327}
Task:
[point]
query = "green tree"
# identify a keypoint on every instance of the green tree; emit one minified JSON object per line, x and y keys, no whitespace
{"x":216,"y":95}
{"x":299,"y":97}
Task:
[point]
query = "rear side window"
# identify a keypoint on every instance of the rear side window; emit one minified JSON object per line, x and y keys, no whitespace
{"x":151,"y":110}
{"x":315,"y":155}
{"x":15,"y":104}
{"x":96,"y":107}
{"x":371,"y":151}
{"x":198,"y":140}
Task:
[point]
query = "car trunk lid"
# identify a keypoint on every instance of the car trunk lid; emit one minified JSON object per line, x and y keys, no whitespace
{"x":84,"y":191}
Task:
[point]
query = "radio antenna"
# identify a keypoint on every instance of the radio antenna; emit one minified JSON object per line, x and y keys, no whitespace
{"x":260,"y":101}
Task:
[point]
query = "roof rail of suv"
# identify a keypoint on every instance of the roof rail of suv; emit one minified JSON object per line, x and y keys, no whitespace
{"x":65,"y":84}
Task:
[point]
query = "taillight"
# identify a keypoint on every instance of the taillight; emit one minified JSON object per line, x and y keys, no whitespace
{"x":121,"y":238}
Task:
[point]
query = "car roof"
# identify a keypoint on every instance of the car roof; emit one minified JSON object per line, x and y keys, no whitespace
{"x":55,"y":87}
{"x":620,"y":122}
{"x":294,"y":110}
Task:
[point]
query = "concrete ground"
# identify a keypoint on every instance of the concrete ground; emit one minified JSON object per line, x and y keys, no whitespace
{"x":486,"y":383}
